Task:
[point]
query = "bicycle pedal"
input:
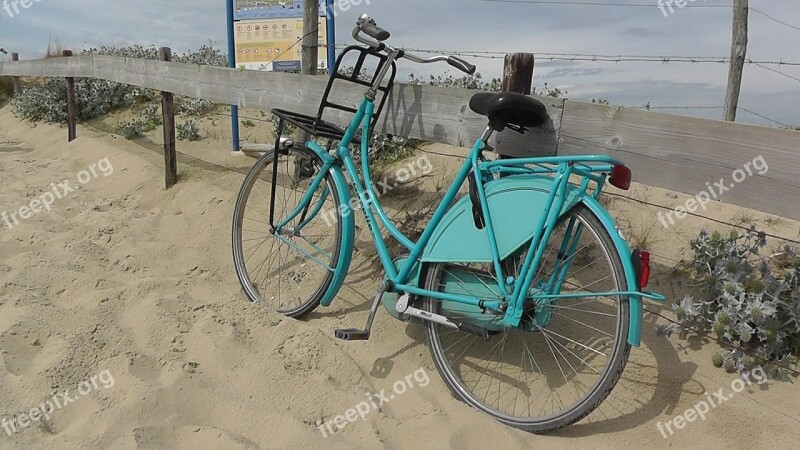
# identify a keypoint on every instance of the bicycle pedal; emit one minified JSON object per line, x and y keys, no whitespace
{"x":352,"y":334}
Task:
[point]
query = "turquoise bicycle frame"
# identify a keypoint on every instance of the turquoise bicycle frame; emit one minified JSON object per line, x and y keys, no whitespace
{"x":502,"y":186}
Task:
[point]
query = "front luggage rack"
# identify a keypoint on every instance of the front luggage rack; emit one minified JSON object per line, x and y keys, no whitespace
{"x":316,"y":126}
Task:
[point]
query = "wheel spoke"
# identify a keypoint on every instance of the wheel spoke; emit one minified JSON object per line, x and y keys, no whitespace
{"x":292,"y":271}
{"x":551,"y":369}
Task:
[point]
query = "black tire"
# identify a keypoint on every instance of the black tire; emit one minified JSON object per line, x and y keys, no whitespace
{"x":453,"y":365}
{"x":291,"y":277}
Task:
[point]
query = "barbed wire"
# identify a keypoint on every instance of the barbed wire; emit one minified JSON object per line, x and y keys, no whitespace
{"x":765,"y":117}
{"x":638,"y":5}
{"x":585,"y":57}
{"x":649,"y":108}
{"x":653,"y":108}
{"x":777,"y":71}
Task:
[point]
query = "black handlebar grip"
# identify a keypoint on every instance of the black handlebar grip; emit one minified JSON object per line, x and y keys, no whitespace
{"x":461,"y":65}
{"x":375,"y":32}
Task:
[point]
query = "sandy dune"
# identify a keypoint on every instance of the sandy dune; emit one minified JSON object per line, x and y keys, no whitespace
{"x":124,"y":279}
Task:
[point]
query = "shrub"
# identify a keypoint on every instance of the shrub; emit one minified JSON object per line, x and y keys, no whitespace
{"x":463,"y":82}
{"x":188,"y":131}
{"x":47,"y":101}
{"x":148,"y":119}
{"x":750,"y":301}
{"x":131,"y":130}
{"x":389,"y":149}
{"x":189,"y":106}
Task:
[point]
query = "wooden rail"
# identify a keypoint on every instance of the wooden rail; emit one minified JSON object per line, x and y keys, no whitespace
{"x":674,"y":152}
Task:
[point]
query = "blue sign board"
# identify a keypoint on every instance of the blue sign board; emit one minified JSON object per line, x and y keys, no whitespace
{"x":272,"y":9}
{"x":286,"y":66}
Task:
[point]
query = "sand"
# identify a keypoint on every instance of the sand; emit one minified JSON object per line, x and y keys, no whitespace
{"x":125,"y":281}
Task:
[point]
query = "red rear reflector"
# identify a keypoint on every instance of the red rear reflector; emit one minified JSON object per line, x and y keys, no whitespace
{"x":621,"y":177}
{"x":641,"y":261}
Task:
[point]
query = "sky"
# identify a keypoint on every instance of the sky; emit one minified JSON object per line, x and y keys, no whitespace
{"x":700,"y":29}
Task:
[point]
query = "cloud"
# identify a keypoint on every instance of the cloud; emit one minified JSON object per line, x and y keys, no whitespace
{"x":481,"y":26}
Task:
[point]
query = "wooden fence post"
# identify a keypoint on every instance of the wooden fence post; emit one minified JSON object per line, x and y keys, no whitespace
{"x":517,"y":77}
{"x":518,"y":73}
{"x":168,"y":113}
{"x":741,"y":10}
{"x":15,"y":80}
{"x":72,"y":123}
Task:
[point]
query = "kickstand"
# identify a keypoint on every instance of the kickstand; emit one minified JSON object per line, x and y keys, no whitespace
{"x":354,"y":334}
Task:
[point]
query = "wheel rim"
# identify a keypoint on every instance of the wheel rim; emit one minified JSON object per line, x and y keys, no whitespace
{"x":289,"y":271}
{"x":545,"y":378}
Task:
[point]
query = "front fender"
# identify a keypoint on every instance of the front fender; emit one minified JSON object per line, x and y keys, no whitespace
{"x":347,"y":221}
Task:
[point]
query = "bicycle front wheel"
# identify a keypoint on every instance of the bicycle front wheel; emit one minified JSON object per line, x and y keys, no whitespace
{"x":565,"y":357}
{"x":292,"y":268}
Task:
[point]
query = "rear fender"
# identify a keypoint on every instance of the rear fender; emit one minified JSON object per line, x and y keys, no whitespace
{"x":518,"y":202}
{"x":624,"y":251}
{"x":515,"y":205}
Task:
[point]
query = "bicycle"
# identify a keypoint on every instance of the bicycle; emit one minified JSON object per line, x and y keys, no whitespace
{"x":528,"y":263}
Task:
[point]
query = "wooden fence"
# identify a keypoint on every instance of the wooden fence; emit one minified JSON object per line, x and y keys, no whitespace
{"x":673,"y":152}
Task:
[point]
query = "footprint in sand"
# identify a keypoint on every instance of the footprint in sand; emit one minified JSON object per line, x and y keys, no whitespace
{"x":189,"y":436}
{"x":8,"y":146}
{"x":19,"y":346}
{"x":146,"y":369}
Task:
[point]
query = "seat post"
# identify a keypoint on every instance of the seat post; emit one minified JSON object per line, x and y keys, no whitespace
{"x":487,"y":133}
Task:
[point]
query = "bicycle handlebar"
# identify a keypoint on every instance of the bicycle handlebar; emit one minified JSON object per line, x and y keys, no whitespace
{"x":375,"y":32}
{"x":367,"y":25}
{"x":461,"y":65}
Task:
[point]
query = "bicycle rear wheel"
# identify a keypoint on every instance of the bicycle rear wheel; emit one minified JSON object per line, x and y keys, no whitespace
{"x":564,"y":358}
{"x":290,"y":270}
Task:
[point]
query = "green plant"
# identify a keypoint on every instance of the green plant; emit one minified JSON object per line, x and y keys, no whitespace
{"x":288,"y":128}
{"x":774,"y":221}
{"x":463,"y":82}
{"x":46,"y":101}
{"x":547,"y":91}
{"x":190,"y":106}
{"x":188,"y":131}
{"x":247,"y":123}
{"x":390,"y":149}
{"x":744,"y":217}
{"x":148,"y":119}
{"x":131,"y":130}
{"x":750,"y":302}
{"x":643,"y":237}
